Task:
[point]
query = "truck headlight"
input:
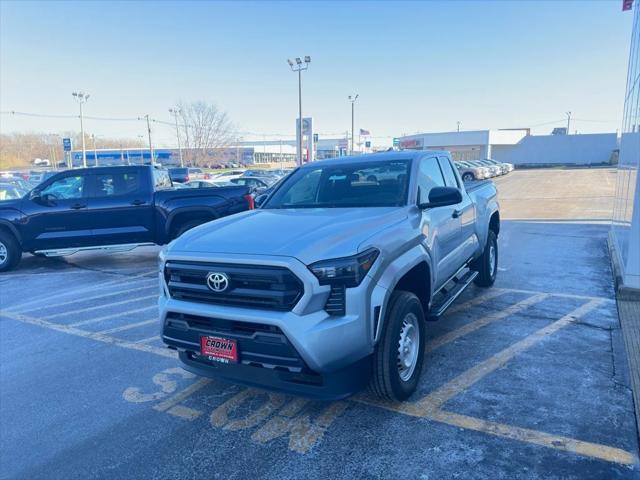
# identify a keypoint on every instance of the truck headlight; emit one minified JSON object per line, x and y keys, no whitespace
{"x":161,"y":256}
{"x":347,"y":271}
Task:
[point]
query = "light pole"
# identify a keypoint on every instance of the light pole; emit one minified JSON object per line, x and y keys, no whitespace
{"x":141,"y":137}
{"x":95,"y":149}
{"x":568,"y":114}
{"x":458,"y":125}
{"x":353,"y":103}
{"x":175,"y":112}
{"x":153,"y":161}
{"x":298,"y":67}
{"x":82,"y":98}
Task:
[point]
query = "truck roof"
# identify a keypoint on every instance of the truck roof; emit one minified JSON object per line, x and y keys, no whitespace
{"x":379,"y":157}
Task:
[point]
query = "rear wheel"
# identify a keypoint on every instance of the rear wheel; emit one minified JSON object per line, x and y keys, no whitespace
{"x":10,"y":253}
{"x":487,"y":264}
{"x":468,"y":177}
{"x":397,"y":361}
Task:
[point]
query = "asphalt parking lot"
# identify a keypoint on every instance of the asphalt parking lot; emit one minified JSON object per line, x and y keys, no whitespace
{"x":528,"y":379}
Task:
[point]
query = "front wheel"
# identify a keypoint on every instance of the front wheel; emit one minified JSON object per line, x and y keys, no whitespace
{"x":10,"y":253}
{"x":487,"y":264}
{"x":468,"y":177}
{"x":397,"y":360}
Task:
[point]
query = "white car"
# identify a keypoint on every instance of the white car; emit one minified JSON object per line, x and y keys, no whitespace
{"x":230,"y":175}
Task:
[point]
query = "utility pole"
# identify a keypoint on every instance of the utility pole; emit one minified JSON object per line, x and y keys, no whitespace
{"x":299,"y":66}
{"x":353,"y":103}
{"x":153,"y":161}
{"x":82,"y":98}
{"x":95,"y":150}
{"x":458,"y":125}
{"x":568,"y":122}
{"x":175,"y":112}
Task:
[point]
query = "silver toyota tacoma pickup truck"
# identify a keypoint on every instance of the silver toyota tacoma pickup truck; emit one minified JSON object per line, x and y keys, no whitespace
{"x":327,"y":286}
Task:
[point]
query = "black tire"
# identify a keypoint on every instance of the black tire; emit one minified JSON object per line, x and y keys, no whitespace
{"x":188,"y":226}
{"x":487,"y":265}
{"x":10,"y":252}
{"x":468,"y":177}
{"x":386,"y":379}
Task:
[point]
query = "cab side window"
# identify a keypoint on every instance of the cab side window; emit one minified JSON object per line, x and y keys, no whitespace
{"x":114,"y":184}
{"x":447,"y":170}
{"x":429,"y":176}
{"x":66,"y":188}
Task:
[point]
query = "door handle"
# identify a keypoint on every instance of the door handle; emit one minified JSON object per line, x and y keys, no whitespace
{"x":78,"y":206}
{"x":138,"y":202}
{"x":456,"y":213}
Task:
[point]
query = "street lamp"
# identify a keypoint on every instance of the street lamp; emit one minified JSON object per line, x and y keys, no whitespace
{"x":353,"y":102}
{"x":175,"y":112}
{"x":82,"y":98}
{"x":298,"y":67}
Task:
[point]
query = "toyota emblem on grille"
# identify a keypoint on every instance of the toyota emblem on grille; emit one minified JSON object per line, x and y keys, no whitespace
{"x":218,"y":282}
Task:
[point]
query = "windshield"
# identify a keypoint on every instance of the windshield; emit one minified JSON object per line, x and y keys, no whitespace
{"x":371,"y":184}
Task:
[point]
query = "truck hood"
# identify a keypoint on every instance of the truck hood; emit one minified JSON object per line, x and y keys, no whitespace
{"x":306,"y":234}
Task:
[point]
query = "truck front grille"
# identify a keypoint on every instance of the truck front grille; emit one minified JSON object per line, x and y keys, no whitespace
{"x":250,"y":286}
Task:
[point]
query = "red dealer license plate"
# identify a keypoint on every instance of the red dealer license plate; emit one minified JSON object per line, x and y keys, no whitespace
{"x":219,"y":349}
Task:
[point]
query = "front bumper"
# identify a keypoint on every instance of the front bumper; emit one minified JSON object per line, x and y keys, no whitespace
{"x":304,"y":351}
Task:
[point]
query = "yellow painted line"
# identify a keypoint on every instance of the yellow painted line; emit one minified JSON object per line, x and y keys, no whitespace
{"x":182,"y":395}
{"x":184,"y":412}
{"x":149,"y":339}
{"x":78,"y":291}
{"x":556,"y":294}
{"x":130,"y":326}
{"x":586,"y":449}
{"x":163,"y":352}
{"x":488,"y":295}
{"x":112,"y":315}
{"x":452,"y":388}
{"x":481,"y":322}
{"x":111,"y":293}
{"x":99,"y":307}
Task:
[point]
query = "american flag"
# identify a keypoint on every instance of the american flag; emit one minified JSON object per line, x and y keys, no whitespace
{"x":364,"y":132}
{"x":627,"y":5}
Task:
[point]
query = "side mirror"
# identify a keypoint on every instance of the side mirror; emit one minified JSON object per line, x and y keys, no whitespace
{"x":442,"y":196}
{"x":35,"y":195}
{"x":260,"y":199}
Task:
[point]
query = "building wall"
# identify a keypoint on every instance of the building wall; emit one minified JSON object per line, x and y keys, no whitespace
{"x":591,"y":149}
{"x":625,"y":227}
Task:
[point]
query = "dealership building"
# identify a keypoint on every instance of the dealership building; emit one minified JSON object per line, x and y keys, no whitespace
{"x":519,"y":147}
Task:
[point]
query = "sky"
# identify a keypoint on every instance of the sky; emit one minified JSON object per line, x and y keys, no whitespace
{"x":416,"y":66}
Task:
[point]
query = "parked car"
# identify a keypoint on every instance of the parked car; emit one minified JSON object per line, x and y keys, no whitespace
{"x":197,"y":174}
{"x":336,"y":291}
{"x":36,"y":178}
{"x":506,"y":167}
{"x":18,"y":182}
{"x":227,"y":175}
{"x":470,"y":172}
{"x":255,"y":184}
{"x":207,"y":184}
{"x":493,"y":170}
{"x":179,"y":174}
{"x":108,"y":208}
{"x":9,"y":191}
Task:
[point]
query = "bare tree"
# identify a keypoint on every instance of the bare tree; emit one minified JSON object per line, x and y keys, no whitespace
{"x":205,"y":131}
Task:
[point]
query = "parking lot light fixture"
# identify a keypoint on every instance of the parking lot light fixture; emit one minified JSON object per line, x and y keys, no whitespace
{"x":298,"y":67}
{"x":82,"y":98}
{"x":353,"y":99}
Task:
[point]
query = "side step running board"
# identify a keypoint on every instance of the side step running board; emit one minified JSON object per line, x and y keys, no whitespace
{"x":450,"y":296}
{"x":63,"y":252}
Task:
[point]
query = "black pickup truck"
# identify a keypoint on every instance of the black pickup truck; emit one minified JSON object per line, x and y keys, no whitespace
{"x":108,"y":208}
